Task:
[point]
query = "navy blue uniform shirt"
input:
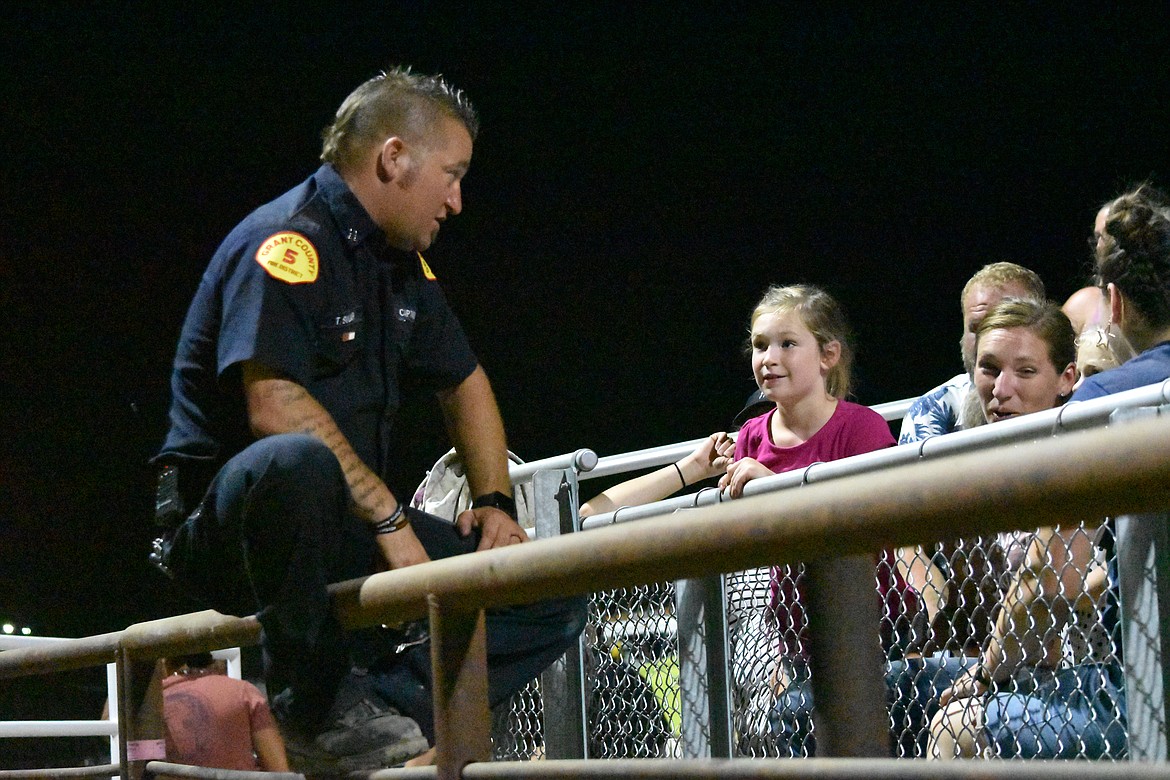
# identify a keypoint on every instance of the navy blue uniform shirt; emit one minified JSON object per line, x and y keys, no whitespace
{"x":306,"y":286}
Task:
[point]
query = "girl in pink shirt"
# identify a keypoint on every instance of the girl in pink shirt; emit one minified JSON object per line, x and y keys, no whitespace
{"x":801,"y":359}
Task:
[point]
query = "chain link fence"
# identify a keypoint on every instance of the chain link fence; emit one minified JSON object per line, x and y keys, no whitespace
{"x":1042,"y":599}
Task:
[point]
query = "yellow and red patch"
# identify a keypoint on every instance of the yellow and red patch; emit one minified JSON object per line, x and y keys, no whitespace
{"x":426,"y":269}
{"x":289,"y":257}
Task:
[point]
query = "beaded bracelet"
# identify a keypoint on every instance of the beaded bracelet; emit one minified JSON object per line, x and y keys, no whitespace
{"x":397,"y":520}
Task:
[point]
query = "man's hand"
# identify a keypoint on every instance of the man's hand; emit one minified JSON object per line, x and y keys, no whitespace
{"x":498,"y":529}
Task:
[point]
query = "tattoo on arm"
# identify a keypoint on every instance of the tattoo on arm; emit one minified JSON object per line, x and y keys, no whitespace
{"x":299,"y":411}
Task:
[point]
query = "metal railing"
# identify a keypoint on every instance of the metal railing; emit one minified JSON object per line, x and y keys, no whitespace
{"x":1095,"y":472}
{"x":1070,"y":417}
{"x":668,"y":453}
{"x":86,"y":727}
{"x":1122,"y":469}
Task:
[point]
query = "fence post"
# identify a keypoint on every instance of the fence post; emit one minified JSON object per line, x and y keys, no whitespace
{"x":141,"y":733}
{"x":704,"y":697}
{"x":1143,"y":568}
{"x":848,"y":690}
{"x":562,"y":685}
{"x":113,"y":708}
{"x":459,"y":659}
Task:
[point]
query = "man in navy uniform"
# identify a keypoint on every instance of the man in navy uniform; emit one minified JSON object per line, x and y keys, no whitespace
{"x":312,"y":314}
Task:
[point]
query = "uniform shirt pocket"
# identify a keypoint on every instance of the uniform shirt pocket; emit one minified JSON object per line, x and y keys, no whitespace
{"x":339,"y":338}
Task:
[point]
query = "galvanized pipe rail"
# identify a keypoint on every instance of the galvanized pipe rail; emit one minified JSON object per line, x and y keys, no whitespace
{"x":57,"y":728}
{"x":170,"y":769}
{"x":1063,"y":419}
{"x":100,"y":770}
{"x":793,"y":769}
{"x":669,"y":453}
{"x":1093,"y":473}
{"x":583,"y":460}
{"x":1121,"y":469}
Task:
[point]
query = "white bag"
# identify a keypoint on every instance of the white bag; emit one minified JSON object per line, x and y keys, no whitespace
{"x":444,"y":492}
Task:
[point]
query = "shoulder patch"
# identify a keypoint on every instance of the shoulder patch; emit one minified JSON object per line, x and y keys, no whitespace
{"x":426,"y":269}
{"x":289,"y":257}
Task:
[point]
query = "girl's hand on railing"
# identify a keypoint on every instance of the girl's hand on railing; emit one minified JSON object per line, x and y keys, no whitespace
{"x":742,"y":472}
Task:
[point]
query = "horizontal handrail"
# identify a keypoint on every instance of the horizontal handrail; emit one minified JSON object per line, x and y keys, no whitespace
{"x":195,"y":632}
{"x":820,"y":768}
{"x":669,"y":453}
{"x":208,"y":773}
{"x":583,"y":461}
{"x":60,"y":656}
{"x":1063,"y":419}
{"x":181,"y":634}
{"x":14,"y":641}
{"x":100,"y":770}
{"x":894,"y":410}
{"x":58,"y":728}
{"x":1124,"y":468}
{"x":642,"y":459}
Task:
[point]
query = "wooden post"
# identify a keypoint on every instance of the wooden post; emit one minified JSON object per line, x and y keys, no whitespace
{"x":459,"y":660}
{"x":848,"y":692}
{"x":141,"y":731}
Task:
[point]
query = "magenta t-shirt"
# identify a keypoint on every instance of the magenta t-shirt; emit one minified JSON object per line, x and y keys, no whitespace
{"x":852,"y":430}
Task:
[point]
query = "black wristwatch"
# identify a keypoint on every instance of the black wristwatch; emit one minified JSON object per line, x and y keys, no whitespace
{"x":497,"y":500}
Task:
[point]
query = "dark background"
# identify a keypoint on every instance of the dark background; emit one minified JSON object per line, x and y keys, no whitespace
{"x":641,"y":177}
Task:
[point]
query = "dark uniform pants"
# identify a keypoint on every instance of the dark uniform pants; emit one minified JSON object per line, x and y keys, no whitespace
{"x":274,"y":530}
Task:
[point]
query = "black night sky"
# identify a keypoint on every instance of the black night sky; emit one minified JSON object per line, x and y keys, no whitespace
{"x":641,"y":177}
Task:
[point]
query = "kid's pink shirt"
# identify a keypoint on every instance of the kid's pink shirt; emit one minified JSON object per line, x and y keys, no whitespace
{"x":852,"y":430}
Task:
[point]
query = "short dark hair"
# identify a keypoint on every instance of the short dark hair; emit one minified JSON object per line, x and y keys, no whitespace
{"x":194,"y":660}
{"x":1134,"y":252}
{"x":395,"y":102}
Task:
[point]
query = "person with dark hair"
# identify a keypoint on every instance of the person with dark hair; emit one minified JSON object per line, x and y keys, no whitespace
{"x":314,"y":315}
{"x":1081,"y":711}
{"x":1133,"y":270}
{"x":217,"y":721}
